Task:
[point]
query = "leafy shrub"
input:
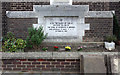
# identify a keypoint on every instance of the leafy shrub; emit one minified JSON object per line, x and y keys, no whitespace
{"x":20,"y":44}
{"x":111,"y":38}
{"x":11,"y":44}
{"x":116,"y":27}
{"x":35,"y":38}
{"x":9,"y":35}
{"x":45,"y":49}
{"x":14,"y":45}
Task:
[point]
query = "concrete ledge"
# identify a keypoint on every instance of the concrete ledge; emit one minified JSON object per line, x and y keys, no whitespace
{"x":102,"y":14}
{"x":21,"y":14}
{"x":49,"y":0}
{"x":51,"y":55}
{"x":32,"y":14}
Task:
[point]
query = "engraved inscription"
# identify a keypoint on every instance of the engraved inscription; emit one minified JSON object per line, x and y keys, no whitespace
{"x":61,"y":26}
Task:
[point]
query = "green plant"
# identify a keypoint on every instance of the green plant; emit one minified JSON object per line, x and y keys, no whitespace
{"x":9,"y":45}
{"x":80,"y":48}
{"x":1,"y":50}
{"x":116,"y":27}
{"x":20,"y":44}
{"x":35,"y":38}
{"x":111,"y":38}
{"x":45,"y":49}
{"x":14,"y":45}
{"x":9,"y":35}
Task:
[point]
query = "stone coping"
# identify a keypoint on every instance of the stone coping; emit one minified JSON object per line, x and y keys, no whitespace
{"x":102,"y":14}
{"x":49,"y":0}
{"x":32,"y":14}
{"x":51,"y":55}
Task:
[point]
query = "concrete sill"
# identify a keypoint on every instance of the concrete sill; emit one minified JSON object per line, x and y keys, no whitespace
{"x":50,"y":55}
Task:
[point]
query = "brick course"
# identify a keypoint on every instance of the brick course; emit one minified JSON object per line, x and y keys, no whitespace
{"x":20,"y":26}
{"x":72,"y":65}
{"x":99,"y":28}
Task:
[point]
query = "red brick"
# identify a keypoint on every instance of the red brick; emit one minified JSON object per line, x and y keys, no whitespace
{"x":30,"y":65}
{"x":20,"y":65}
{"x":3,"y":65}
{"x":69,"y":66}
{"x":59,"y":66}
{"x":7,"y":62}
{"x":49,"y":65}
{"x":55,"y":63}
{"x":75,"y":63}
{"x":36,"y":69}
{"x":26,"y":62}
{"x":22,"y":59}
{"x":65,"y":69}
{"x":32,"y":59}
{"x":45,"y":62}
{"x":77,"y":66}
{"x":11,"y":65}
{"x":40,"y":65}
{"x":35,"y":62}
{"x":70,"y":60}
{"x":7,"y":68}
{"x":65,"y":62}
{"x":16,"y":68}
{"x":50,"y":60}
{"x":16,"y":62}
{"x":61,"y":60}
{"x":28,"y":68}
{"x":46,"y":69}
{"x":41,"y":60}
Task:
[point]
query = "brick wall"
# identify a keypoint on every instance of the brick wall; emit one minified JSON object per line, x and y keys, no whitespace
{"x":5,"y":7}
{"x":25,"y":6}
{"x":116,"y":7}
{"x":99,"y":28}
{"x":64,"y":65}
{"x":0,"y":24}
{"x":20,"y":26}
{"x":28,"y":6}
{"x":95,"y":6}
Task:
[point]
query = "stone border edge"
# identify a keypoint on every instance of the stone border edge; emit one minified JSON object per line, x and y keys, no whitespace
{"x":51,"y":55}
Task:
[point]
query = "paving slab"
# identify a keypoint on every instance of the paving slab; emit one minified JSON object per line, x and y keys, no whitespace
{"x":94,"y":64}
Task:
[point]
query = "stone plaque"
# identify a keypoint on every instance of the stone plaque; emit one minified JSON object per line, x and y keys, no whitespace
{"x":61,"y":26}
{"x":61,"y":0}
